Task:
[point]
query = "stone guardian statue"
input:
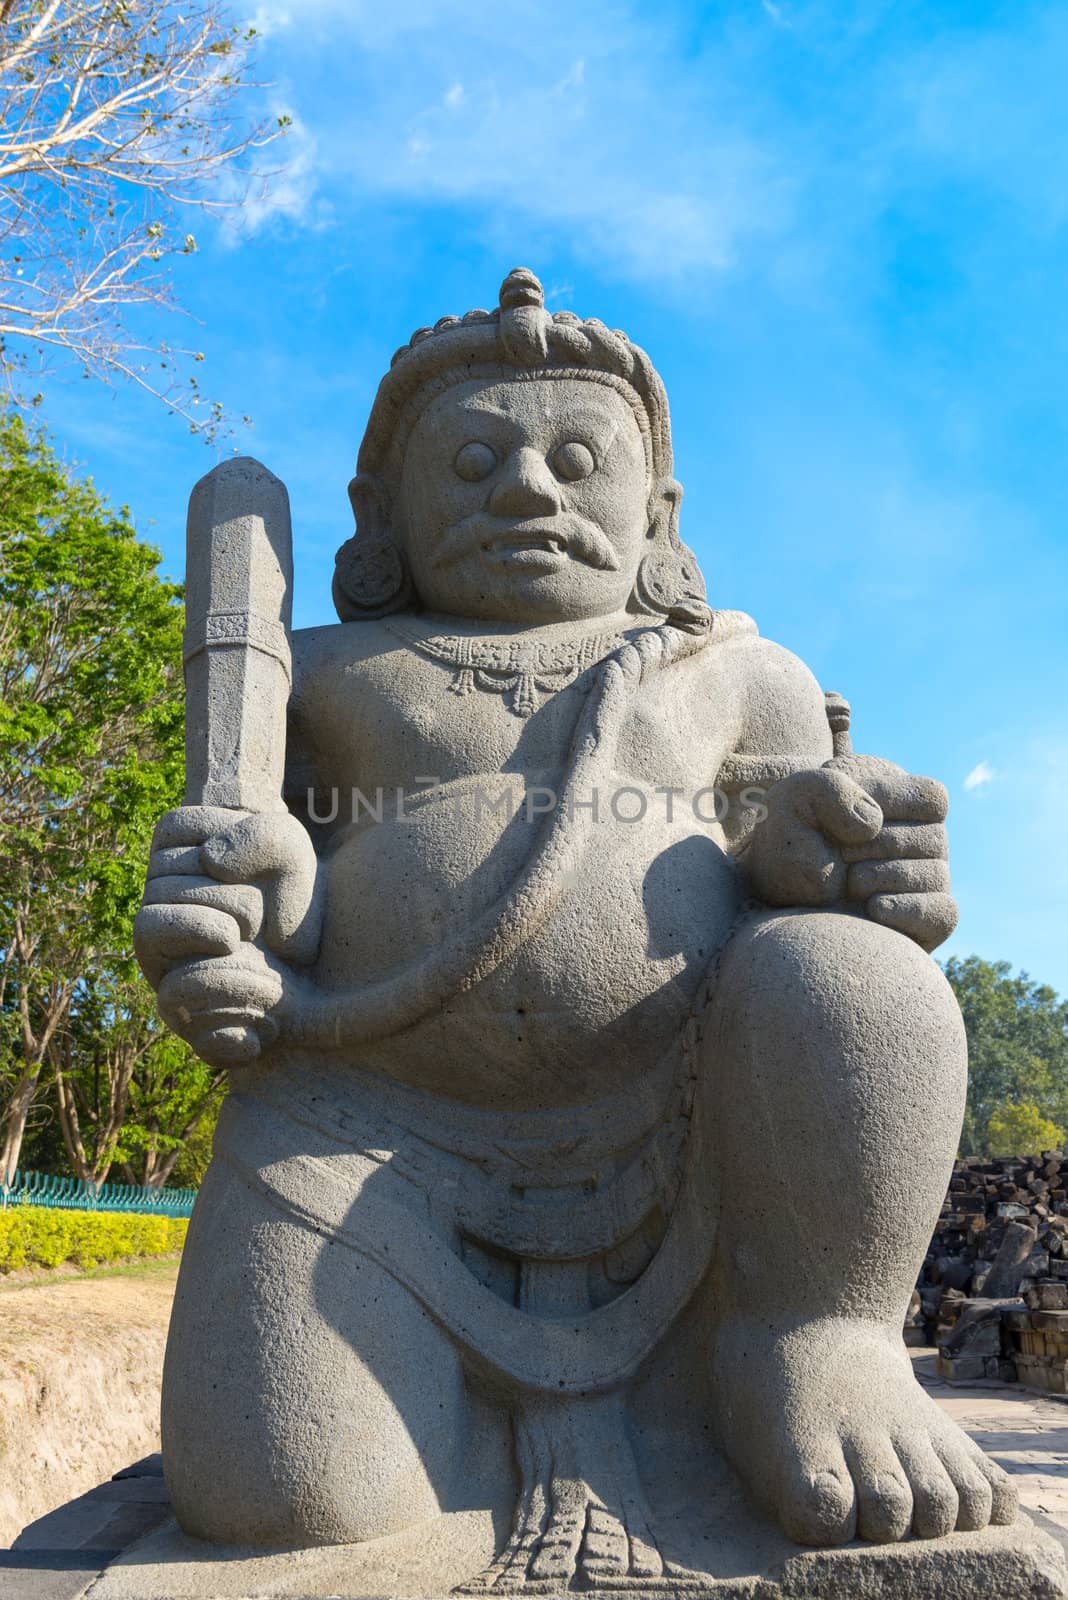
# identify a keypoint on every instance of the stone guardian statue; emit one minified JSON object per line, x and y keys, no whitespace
{"x":593,"y":1092}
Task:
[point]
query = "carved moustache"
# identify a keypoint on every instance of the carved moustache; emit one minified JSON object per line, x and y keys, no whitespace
{"x":564,"y":532}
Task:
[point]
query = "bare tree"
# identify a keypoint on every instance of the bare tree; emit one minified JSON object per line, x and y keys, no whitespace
{"x":115,"y":117}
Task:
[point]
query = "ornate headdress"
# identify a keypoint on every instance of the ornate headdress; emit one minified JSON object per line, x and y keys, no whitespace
{"x":520,"y":340}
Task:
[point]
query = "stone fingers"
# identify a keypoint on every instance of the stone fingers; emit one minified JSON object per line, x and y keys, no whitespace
{"x":902,"y":796}
{"x":264,"y":870}
{"x":191,"y":825}
{"x":242,"y":901}
{"x":926,"y":918}
{"x":868,"y":878}
{"x":276,"y":848}
{"x":258,"y":845}
{"x":795,"y":858}
{"x":177,"y":859}
{"x":167,"y":935}
{"x":901,"y":842}
{"x":833,"y":803}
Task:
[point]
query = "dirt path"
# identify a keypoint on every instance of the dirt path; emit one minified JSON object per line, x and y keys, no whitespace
{"x":80,"y":1365}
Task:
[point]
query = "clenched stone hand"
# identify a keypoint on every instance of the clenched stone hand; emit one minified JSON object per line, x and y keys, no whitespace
{"x":230,"y":900}
{"x":858,"y":832}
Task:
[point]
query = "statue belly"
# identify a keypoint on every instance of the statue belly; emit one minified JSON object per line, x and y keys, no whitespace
{"x":602,"y":988}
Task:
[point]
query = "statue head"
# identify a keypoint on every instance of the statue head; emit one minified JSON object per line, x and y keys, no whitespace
{"x":517,"y":467}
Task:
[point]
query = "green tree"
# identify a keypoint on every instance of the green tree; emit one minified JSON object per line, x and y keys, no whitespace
{"x":1017,"y":1046}
{"x":127,"y":1090}
{"x":1020,"y":1129}
{"x":90,"y":750}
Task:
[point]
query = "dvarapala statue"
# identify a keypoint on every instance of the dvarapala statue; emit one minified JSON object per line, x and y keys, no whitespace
{"x":593,"y":1090}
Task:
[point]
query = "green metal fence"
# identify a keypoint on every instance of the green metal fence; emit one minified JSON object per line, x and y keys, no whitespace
{"x":73,"y":1194}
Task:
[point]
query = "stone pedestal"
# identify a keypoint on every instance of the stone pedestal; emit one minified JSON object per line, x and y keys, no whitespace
{"x":728,"y":1553}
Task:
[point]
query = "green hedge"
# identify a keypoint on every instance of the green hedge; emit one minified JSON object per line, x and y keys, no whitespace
{"x":41,"y":1236}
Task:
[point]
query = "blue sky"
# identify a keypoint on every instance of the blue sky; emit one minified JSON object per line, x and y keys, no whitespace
{"x":841,"y":231}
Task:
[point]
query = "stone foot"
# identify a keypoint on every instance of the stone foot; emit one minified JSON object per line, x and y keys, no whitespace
{"x":828,"y":1427}
{"x":581,"y":1520}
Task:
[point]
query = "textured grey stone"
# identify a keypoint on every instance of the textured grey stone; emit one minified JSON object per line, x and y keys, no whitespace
{"x":477,"y":1272}
{"x":47,"y":1574}
{"x":1010,"y":1263}
{"x":1017,"y":1563}
{"x":239,"y":606}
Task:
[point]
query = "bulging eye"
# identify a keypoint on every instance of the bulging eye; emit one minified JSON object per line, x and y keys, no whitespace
{"x":572,"y":461}
{"x":475,"y":461}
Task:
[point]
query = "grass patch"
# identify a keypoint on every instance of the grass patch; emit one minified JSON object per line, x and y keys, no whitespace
{"x":149,"y":1267}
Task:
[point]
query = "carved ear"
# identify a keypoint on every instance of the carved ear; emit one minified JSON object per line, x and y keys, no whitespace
{"x":664,"y":504}
{"x":371,"y":576}
{"x":669,"y":582}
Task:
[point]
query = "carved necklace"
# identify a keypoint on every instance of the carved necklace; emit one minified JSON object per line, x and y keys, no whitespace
{"x":524,"y":670}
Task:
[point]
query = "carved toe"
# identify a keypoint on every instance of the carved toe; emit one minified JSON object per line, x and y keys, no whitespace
{"x":935,"y":1503}
{"x":819,"y":1506}
{"x":972,"y":1486}
{"x":884,"y":1498}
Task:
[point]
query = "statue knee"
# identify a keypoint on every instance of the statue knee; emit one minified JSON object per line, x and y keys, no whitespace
{"x":839,"y":995}
{"x":321,"y":1454}
{"x":338,"y":1408}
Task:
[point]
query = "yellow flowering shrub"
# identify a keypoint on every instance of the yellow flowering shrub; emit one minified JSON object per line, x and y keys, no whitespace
{"x":39,"y":1236}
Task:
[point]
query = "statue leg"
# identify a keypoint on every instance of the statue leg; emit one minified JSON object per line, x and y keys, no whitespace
{"x":307,"y":1399}
{"x":836,"y":1078}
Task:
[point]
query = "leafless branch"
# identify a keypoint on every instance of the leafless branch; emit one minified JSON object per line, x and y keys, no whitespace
{"x":115,"y":117}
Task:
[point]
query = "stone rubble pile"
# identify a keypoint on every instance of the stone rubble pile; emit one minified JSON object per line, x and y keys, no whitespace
{"x":993,"y":1291}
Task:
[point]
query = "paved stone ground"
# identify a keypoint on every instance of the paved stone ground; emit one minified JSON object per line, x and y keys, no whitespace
{"x":59,"y":1556}
{"x":1025,"y":1431}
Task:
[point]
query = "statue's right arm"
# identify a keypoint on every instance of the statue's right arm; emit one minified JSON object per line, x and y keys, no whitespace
{"x":231,"y":914}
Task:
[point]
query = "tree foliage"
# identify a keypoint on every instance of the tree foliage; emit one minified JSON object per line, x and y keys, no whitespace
{"x":1017,"y":1047}
{"x":116,"y":117}
{"x":91,"y":746}
{"x":126,"y":1090}
{"x":1020,"y":1129}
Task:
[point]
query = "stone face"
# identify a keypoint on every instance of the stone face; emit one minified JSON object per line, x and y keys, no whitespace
{"x":583,"y":908}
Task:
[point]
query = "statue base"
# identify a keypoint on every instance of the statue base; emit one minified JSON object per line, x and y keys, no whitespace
{"x":729,"y":1553}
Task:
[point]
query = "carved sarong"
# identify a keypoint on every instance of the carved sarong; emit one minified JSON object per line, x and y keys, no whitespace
{"x":556,"y":1257}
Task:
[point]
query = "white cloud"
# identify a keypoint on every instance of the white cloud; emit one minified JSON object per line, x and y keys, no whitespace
{"x":573,"y":78}
{"x":288,"y":187}
{"x":643,"y":160}
{"x":983,"y":773}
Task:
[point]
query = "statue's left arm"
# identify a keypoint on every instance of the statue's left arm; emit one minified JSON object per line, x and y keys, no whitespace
{"x":839,"y":831}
